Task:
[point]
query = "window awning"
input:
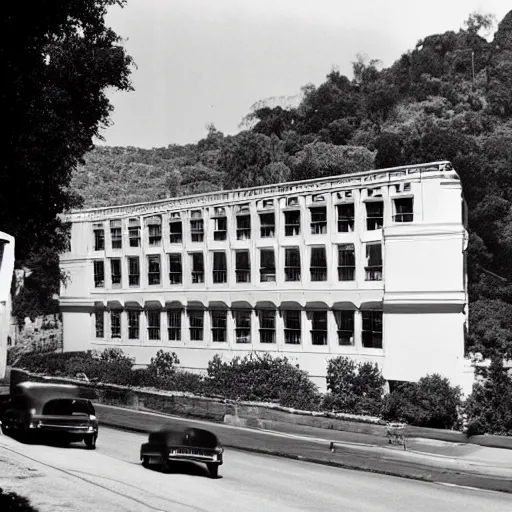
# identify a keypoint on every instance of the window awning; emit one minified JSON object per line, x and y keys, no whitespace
{"x":265,"y":304}
{"x":290,"y":304}
{"x":153,"y":304}
{"x":99,"y":304}
{"x":132,"y":304}
{"x":195,"y":304}
{"x":345,"y":305}
{"x":174,"y":304}
{"x":217,"y":304}
{"x":371,"y":305}
{"x":317,"y":306}
{"x":115,"y":304}
{"x":240,"y":304}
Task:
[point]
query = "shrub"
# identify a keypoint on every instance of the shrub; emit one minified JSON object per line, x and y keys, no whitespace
{"x":12,"y":502}
{"x":163,"y":364}
{"x":431,"y":402}
{"x":488,"y":407}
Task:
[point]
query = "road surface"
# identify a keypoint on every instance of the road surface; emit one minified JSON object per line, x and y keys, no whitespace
{"x":111,"y":479}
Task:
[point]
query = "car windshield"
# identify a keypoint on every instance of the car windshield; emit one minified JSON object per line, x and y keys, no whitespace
{"x":68,"y":407}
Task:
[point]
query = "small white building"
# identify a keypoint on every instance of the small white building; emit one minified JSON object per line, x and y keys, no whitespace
{"x":368,"y":265}
{"x":6,"y":271}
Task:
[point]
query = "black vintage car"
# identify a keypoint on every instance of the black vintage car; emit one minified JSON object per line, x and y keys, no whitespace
{"x":59,"y":410}
{"x":187,"y":444}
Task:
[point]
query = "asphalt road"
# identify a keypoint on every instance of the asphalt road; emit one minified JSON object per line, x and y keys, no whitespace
{"x":111,"y":479}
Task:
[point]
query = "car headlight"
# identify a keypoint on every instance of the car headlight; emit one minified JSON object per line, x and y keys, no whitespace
{"x":219,"y":449}
{"x":92,"y":417}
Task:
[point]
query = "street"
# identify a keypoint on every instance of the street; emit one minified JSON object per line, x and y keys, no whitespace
{"x":111,"y":479}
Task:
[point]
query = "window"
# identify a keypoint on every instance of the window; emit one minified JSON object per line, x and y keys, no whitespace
{"x":154,"y":269}
{"x":318,"y":265}
{"x":133,"y":325}
{"x":175,"y":232}
{"x":196,"y":226}
{"x":174,"y":324}
{"x":318,"y":220}
{"x":175,"y":268}
{"x":99,"y":323}
{"x":134,"y":232}
{"x":196,"y":322}
{"x":99,"y":274}
{"x":243,"y":227}
{"x":242,"y":325}
{"x":345,"y":218}
{"x":116,"y":235}
{"x":292,"y":327}
{"x":374,"y":215}
{"x":267,"y":319}
{"x":219,"y":267}
{"x":133,"y":271}
{"x":346,"y":262}
{"x":154,"y":230}
{"x":292,"y":223}
{"x":373,"y":267}
{"x":220,"y":223}
{"x":319,"y":327}
{"x":115,"y":324}
{"x":267,"y":225}
{"x":267,"y":265}
{"x":403,"y":209}
{"x":292,"y":201}
{"x":345,"y":323}
{"x":99,"y":239}
{"x":219,"y":325}
{"x":153,"y":324}
{"x":372,"y":329}
{"x":115,"y":270}
{"x":292,"y":264}
{"x":243,"y":267}
{"x":197,"y":267}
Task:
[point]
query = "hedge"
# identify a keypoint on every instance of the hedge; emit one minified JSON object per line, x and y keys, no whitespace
{"x":12,"y":502}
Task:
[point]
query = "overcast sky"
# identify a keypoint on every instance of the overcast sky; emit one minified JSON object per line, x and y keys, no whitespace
{"x":209,"y":61}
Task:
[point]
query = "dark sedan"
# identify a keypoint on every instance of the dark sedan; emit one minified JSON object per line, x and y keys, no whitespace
{"x":187,"y":444}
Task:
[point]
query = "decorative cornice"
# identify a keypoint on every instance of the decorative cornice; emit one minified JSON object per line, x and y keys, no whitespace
{"x":441,"y":169}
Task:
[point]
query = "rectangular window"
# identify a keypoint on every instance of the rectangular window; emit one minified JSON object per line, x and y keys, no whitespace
{"x":345,"y":324}
{"x":175,"y":269}
{"x":133,"y":325}
{"x":174,"y":324}
{"x":374,"y":215}
{"x":219,"y":267}
{"x":115,"y":271}
{"x":292,"y":223}
{"x":99,"y":239}
{"x":243,"y":267}
{"x":292,"y":327}
{"x":345,"y":218}
{"x":267,"y":265}
{"x":99,"y":274}
{"x":318,"y":327}
{"x":99,"y":324}
{"x":219,"y":325}
{"x":196,"y":226}
{"x":154,"y":225}
{"x":243,"y":227}
{"x":196,"y":322}
{"x":242,"y":325}
{"x":267,"y":225}
{"x":197,"y":267}
{"x":318,"y":265}
{"x":346,"y":262}
{"x":373,"y":268}
{"x":115,"y":324}
{"x":133,"y":271}
{"x":292,"y":264}
{"x":176,"y":232}
{"x":220,"y":226}
{"x":116,"y":235}
{"x":404,"y":209}
{"x":267,"y":319}
{"x":154,"y":269}
{"x":134,"y":232}
{"x":318,"y":220}
{"x":154,"y":324}
{"x":372,"y":329}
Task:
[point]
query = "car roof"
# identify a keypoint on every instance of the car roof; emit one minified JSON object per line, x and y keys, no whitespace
{"x":43,"y":392}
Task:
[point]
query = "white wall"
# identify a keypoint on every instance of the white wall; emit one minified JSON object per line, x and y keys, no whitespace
{"x":6,"y":270}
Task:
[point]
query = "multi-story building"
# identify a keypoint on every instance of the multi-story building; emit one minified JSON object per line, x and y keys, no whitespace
{"x":6,"y":270}
{"x":368,"y":265}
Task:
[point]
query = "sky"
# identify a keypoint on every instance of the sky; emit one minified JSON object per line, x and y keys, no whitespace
{"x":210,"y":61}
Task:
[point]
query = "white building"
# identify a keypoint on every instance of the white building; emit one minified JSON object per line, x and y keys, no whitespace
{"x":6,"y":270}
{"x":369,"y":265}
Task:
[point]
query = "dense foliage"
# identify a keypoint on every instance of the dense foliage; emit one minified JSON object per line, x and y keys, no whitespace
{"x":12,"y":502}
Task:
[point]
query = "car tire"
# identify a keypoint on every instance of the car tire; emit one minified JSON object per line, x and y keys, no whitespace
{"x":213,"y":469}
{"x":90,"y":441}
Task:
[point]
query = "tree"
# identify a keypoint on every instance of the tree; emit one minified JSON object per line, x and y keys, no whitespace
{"x":57,"y":61}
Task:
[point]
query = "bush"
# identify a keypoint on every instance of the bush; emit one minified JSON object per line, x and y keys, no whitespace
{"x":163,"y":365}
{"x":12,"y":502}
{"x":431,"y":402}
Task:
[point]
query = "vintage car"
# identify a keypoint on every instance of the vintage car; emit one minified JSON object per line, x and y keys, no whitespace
{"x":187,"y":444}
{"x":58,"y":410}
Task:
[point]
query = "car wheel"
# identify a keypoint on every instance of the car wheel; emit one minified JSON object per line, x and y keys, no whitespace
{"x":213,"y":469}
{"x":145,"y":461}
{"x":90,"y":441}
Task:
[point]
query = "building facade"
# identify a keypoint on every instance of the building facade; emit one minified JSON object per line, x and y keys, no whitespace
{"x":368,"y":265}
{"x":6,"y":271}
